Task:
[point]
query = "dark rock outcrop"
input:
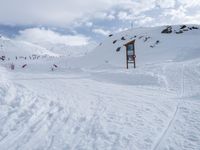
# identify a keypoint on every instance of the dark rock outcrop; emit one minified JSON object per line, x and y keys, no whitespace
{"x":114,"y":41}
{"x":183,"y":27}
{"x":24,"y":65}
{"x":146,"y":38}
{"x":123,"y":38}
{"x":179,"y":32}
{"x":167,"y":30}
{"x":195,"y":28}
{"x":157,"y":42}
{"x":110,"y":35}
{"x":118,"y":49}
{"x":2,"y":58}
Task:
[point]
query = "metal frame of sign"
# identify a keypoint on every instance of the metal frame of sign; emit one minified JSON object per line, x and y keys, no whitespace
{"x":130,"y":53}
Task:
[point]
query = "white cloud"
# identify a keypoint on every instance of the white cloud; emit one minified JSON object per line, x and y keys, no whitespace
{"x":76,"y":13}
{"x":120,"y":30}
{"x":189,"y":3}
{"x":180,"y":16}
{"x":110,"y":17}
{"x":63,"y":13}
{"x":89,"y":24}
{"x":103,"y":15}
{"x":138,"y":7}
{"x":51,"y":12}
{"x":43,"y":36}
{"x":100,"y":15}
{"x":101,"y":31}
{"x":145,"y":21}
{"x":166,"y":3}
{"x":180,"y":13}
{"x":122,"y":15}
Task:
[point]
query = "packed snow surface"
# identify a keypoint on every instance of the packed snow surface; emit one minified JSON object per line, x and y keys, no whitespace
{"x":93,"y":102}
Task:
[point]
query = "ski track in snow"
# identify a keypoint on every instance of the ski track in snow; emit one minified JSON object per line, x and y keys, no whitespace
{"x":170,"y":137}
{"x":76,"y":112}
{"x":182,"y":85}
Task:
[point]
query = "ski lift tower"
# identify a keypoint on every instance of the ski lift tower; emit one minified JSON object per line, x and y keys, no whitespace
{"x":130,"y":53}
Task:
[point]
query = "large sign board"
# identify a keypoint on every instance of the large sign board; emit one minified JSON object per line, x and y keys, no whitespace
{"x":130,"y":53}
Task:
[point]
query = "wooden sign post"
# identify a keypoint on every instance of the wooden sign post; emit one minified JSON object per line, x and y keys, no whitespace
{"x":130,"y":53}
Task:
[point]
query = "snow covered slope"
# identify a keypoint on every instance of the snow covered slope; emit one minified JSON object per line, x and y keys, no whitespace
{"x":152,"y":46}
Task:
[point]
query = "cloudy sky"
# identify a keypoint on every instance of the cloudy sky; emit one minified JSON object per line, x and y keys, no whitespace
{"x":79,"y":22}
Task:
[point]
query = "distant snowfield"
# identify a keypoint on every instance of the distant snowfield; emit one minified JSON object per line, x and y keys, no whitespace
{"x":104,"y":106}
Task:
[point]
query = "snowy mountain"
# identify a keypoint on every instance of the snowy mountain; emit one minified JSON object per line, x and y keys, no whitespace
{"x":12,"y":48}
{"x":23,"y":54}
